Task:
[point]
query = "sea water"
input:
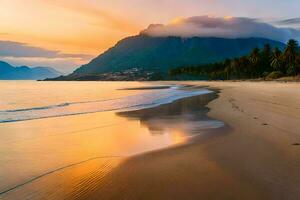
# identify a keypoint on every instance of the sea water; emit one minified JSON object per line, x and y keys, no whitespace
{"x":27,"y":100}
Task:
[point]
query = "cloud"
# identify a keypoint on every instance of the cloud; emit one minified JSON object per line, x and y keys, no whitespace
{"x":292,"y":21}
{"x":18,"y":54}
{"x":227,"y":27}
{"x":100,"y":17}
{"x":17,"y":49}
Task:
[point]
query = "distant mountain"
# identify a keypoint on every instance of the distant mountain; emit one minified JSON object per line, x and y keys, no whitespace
{"x":9,"y":72}
{"x":158,"y":55}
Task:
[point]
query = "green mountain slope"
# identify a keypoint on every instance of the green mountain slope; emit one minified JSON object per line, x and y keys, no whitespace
{"x":163,"y":53}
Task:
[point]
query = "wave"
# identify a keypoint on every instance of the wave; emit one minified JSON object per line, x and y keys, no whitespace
{"x":54,"y":106}
{"x":37,"y":108}
{"x":134,"y":102}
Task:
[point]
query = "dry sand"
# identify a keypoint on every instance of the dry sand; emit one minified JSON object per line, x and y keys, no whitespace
{"x":257,"y":158}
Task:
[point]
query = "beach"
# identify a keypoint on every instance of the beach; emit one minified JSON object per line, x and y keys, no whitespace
{"x":257,"y":158}
{"x":241,"y":142}
{"x":149,"y":100}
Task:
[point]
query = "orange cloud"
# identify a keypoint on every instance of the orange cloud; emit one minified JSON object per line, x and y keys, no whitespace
{"x":68,"y":26}
{"x":99,"y":16}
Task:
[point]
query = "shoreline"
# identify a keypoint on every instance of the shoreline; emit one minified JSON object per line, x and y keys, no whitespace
{"x":170,"y":117}
{"x":39,"y":112}
{"x":253,"y":156}
{"x":256,"y":159}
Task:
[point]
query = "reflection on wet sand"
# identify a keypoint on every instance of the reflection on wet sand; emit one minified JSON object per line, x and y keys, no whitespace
{"x":161,"y":173}
{"x":131,"y":133}
{"x":149,"y":175}
{"x":186,"y":115}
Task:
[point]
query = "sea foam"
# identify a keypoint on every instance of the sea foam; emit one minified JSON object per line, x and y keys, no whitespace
{"x":133,"y":102}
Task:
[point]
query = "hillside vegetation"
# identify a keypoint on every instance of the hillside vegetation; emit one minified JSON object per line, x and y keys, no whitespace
{"x":263,"y":62}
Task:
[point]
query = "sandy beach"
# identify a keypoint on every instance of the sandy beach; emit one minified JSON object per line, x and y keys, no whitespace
{"x":149,"y":100}
{"x":257,"y":158}
{"x":255,"y":155}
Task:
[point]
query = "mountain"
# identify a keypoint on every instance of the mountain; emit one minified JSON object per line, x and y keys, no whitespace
{"x":158,"y":55}
{"x":9,"y":72}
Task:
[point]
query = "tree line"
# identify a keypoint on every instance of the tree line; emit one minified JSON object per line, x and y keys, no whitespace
{"x":260,"y":63}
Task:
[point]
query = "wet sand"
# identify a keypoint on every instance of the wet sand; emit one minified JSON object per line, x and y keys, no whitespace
{"x":67,"y":157}
{"x":257,"y":158}
{"x":254,"y":156}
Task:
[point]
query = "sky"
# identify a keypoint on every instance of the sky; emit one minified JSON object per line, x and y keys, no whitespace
{"x":65,"y":34}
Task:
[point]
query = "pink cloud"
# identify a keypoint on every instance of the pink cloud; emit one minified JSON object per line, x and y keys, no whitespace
{"x":227,"y":27}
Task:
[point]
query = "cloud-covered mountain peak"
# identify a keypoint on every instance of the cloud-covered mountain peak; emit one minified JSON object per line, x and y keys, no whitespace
{"x":223,"y":27}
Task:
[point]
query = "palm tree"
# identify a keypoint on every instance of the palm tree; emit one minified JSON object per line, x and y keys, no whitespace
{"x":227,"y":72}
{"x":276,"y":59}
{"x":290,"y":52}
{"x":266,"y":59}
{"x":298,"y":64}
{"x":267,"y":51}
{"x":254,"y":56}
{"x":289,"y":57}
{"x":235,"y":67}
{"x":254,"y":59}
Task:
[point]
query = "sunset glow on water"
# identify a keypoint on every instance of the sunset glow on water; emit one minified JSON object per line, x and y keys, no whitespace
{"x":37,"y":148}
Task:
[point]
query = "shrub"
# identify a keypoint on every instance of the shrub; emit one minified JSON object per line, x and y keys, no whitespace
{"x":265,"y":74}
{"x":275,"y":75}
